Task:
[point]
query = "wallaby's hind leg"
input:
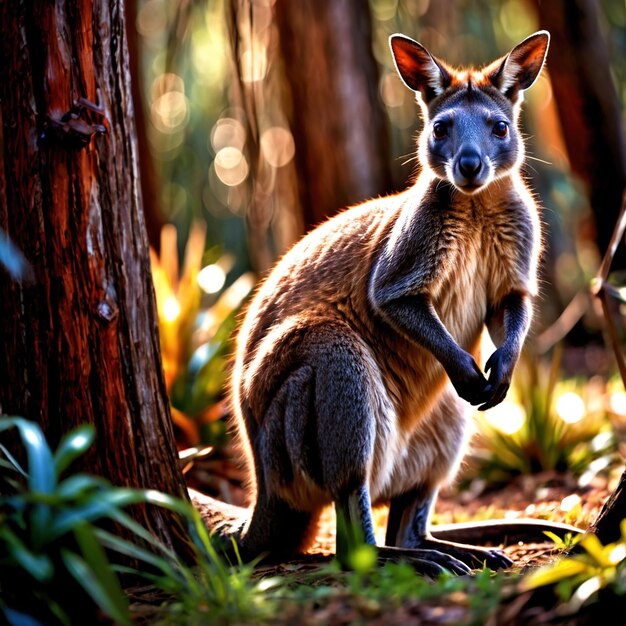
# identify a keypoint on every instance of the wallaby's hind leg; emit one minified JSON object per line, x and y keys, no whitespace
{"x":354,"y":526}
{"x":408,"y":527}
{"x":276,"y":530}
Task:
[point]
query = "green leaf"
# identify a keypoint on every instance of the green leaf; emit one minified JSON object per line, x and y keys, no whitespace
{"x":17,"y":618}
{"x":12,"y":462}
{"x":567,"y":568}
{"x":40,"y":460}
{"x":39,"y":566}
{"x":104,"y":506}
{"x":96,"y":559}
{"x":180,"y":576}
{"x":73,"y":445}
{"x":88,"y":580}
{"x":41,"y":474}
{"x":593,"y":546}
{"x":80,"y":486}
{"x":139,"y":531}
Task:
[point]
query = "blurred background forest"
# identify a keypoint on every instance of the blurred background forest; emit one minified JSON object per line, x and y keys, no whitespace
{"x":258,"y":119}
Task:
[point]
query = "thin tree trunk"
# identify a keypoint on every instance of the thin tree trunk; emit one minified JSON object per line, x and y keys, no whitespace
{"x":588,"y":107}
{"x":338,"y":122}
{"x":80,"y":345}
{"x":607,"y":525}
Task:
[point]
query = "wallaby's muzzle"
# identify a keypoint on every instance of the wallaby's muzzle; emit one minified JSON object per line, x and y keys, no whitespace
{"x":469,"y":172}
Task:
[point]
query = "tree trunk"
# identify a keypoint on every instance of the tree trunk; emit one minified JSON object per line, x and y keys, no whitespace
{"x":588,"y":107}
{"x":607,"y":525}
{"x":80,"y":344}
{"x":150,"y":188}
{"x":338,"y":122}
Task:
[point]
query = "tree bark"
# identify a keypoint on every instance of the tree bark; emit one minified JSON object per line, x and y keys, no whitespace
{"x":607,"y":525}
{"x":80,"y":344}
{"x":150,"y":189}
{"x":338,"y":122}
{"x":588,"y":107}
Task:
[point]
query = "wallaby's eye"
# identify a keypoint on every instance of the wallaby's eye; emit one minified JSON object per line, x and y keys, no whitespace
{"x":440,"y":130}
{"x":501,"y":129}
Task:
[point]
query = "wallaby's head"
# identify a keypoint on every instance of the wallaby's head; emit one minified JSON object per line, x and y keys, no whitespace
{"x":470,"y":135}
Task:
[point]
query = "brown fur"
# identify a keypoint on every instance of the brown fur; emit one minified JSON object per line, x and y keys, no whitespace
{"x":333,"y":385}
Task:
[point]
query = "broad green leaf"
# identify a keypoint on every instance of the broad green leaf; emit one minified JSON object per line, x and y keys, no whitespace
{"x":566,"y":568}
{"x":40,"y":460}
{"x":78,"y":486}
{"x":104,"y":506}
{"x":596,"y":550}
{"x":41,"y":475}
{"x":73,"y":445}
{"x":88,"y":580}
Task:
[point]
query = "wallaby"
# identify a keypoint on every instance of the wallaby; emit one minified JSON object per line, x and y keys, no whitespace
{"x":356,"y":362}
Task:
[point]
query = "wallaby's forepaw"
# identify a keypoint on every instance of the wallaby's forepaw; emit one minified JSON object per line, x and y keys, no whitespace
{"x":428,"y":562}
{"x":500,"y":367}
{"x":475,"y":557}
{"x":468,"y":380}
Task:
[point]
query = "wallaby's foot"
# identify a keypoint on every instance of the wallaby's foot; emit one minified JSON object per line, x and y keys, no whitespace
{"x":474,"y":556}
{"x":428,"y":562}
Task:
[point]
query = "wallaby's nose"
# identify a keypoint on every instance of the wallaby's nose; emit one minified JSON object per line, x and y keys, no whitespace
{"x":469,"y":165}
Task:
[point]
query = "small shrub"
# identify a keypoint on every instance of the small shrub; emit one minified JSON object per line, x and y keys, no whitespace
{"x":545,"y":424}
{"x":57,"y":548}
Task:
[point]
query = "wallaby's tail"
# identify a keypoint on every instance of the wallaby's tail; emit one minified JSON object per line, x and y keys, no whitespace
{"x":223,"y":520}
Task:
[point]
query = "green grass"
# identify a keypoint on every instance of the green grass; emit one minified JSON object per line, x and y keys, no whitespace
{"x":61,"y":561}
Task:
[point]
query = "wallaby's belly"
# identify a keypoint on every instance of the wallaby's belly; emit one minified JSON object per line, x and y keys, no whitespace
{"x":420,"y":422}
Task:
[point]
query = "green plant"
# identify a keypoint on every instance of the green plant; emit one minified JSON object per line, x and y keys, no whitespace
{"x":197,"y":317}
{"x":579,"y":579}
{"x":57,"y":546}
{"x":48,"y":546}
{"x":375,"y":590}
{"x":545,"y":425}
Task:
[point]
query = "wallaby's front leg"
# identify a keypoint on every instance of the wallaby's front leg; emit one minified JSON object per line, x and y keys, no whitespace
{"x":508,"y":325}
{"x":355,"y":526}
{"x":408,"y":527}
{"x":415,"y":318}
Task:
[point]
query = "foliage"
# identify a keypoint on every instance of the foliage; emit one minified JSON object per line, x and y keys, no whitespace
{"x":197,"y":316}
{"x":579,"y":579}
{"x":48,"y":544}
{"x":550,"y":425}
{"x":56,"y":543}
{"x":374,"y":590}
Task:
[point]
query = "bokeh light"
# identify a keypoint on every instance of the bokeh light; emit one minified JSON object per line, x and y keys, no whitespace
{"x":211,"y":278}
{"x":277,"y":146}
{"x":570,"y":407}
{"x":508,"y":417}
{"x":231,"y":166}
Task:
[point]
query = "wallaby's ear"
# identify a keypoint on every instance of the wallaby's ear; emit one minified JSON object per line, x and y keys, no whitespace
{"x":418,"y":69}
{"x":520,"y":68}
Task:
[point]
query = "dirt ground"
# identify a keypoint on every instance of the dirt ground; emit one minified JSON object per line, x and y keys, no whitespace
{"x":548,"y":496}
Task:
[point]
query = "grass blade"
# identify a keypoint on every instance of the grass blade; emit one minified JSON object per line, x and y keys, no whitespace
{"x":12,"y":461}
{"x":88,"y":580}
{"x":96,"y":559}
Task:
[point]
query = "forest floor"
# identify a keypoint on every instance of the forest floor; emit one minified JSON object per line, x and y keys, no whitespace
{"x":549,"y":496}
